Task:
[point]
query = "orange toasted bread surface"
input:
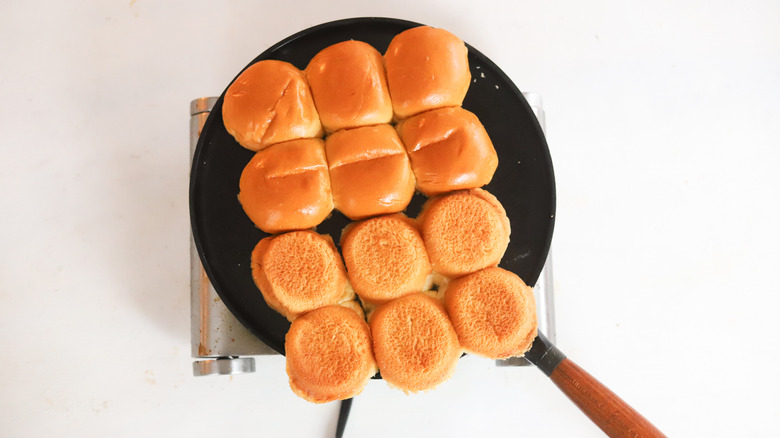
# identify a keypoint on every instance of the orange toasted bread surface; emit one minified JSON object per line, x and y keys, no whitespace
{"x":299,"y":271}
{"x":329,"y":355}
{"x":385,"y":258}
{"x":415,"y":345}
{"x":493,"y":312}
{"x":464,"y":231}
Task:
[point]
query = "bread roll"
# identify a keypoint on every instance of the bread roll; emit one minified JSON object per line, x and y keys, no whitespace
{"x":270,"y":103}
{"x":464,"y":231}
{"x":385,"y":258}
{"x":493,"y":312}
{"x":349,"y":86}
{"x":369,"y":171}
{"x":427,"y":68}
{"x":449,"y":150}
{"x":299,"y":271}
{"x":328,"y":354}
{"x":287,"y":187}
{"x":415,"y":345}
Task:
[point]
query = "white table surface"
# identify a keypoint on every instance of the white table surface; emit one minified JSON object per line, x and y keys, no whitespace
{"x":664,"y":128}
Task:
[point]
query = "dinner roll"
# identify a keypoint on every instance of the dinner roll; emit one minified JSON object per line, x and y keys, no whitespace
{"x":287,"y":186}
{"x":449,"y":150}
{"x":369,"y":171}
{"x":427,"y":68}
{"x":493,"y":312}
{"x":415,"y":345}
{"x":328,"y":354}
{"x":299,"y":271}
{"x":385,"y":258}
{"x":464,"y":231}
{"x":349,"y":86}
{"x":269,"y":103}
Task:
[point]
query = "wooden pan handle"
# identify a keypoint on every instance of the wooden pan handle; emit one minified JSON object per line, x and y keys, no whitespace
{"x":608,"y":411}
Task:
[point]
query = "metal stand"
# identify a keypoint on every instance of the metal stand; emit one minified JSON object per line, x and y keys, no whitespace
{"x":216,"y":335}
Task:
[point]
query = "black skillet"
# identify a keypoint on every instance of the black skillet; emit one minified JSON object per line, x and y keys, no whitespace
{"x":523,"y":182}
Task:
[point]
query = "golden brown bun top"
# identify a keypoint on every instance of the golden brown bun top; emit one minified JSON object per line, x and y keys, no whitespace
{"x":369,"y":170}
{"x":269,"y":103}
{"x":464,"y":231}
{"x":349,"y":86}
{"x":449,"y":150}
{"x":287,"y":186}
{"x":385,"y":258}
{"x":427,"y":68}
{"x":493,"y":312}
{"x":298,"y":272}
{"x":415,"y":344}
{"x":329,"y":355}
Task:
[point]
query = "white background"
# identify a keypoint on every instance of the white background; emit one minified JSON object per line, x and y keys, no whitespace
{"x":664,"y":128}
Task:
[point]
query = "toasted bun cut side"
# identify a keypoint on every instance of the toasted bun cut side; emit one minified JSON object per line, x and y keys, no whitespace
{"x":415,"y":344}
{"x":329,"y":355}
{"x":464,"y":231}
{"x":493,"y":312}
{"x":298,"y":272}
{"x":385,"y":258}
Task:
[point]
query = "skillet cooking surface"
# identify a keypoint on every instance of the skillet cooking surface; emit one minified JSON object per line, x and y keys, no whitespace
{"x":225,"y":237}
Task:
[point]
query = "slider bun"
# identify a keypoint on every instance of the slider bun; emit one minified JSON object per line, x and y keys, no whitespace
{"x":385,"y":258}
{"x":493,"y":312}
{"x":415,"y":345}
{"x":427,"y":68}
{"x":464,"y":231}
{"x":449,"y":150}
{"x":369,"y":171}
{"x":328,"y":354}
{"x":287,"y":187}
{"x":269,"y":103}
{"x":349,"y":86}
{"x":299,"y":271}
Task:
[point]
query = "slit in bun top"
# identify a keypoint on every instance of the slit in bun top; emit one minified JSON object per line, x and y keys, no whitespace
{"x":349,"y":86}
{"x":286,"y":186}
{"x":449,"y":150}
{"x":369,"y":171}
{"x":268,"y":103}
{"x":427,"y":68}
